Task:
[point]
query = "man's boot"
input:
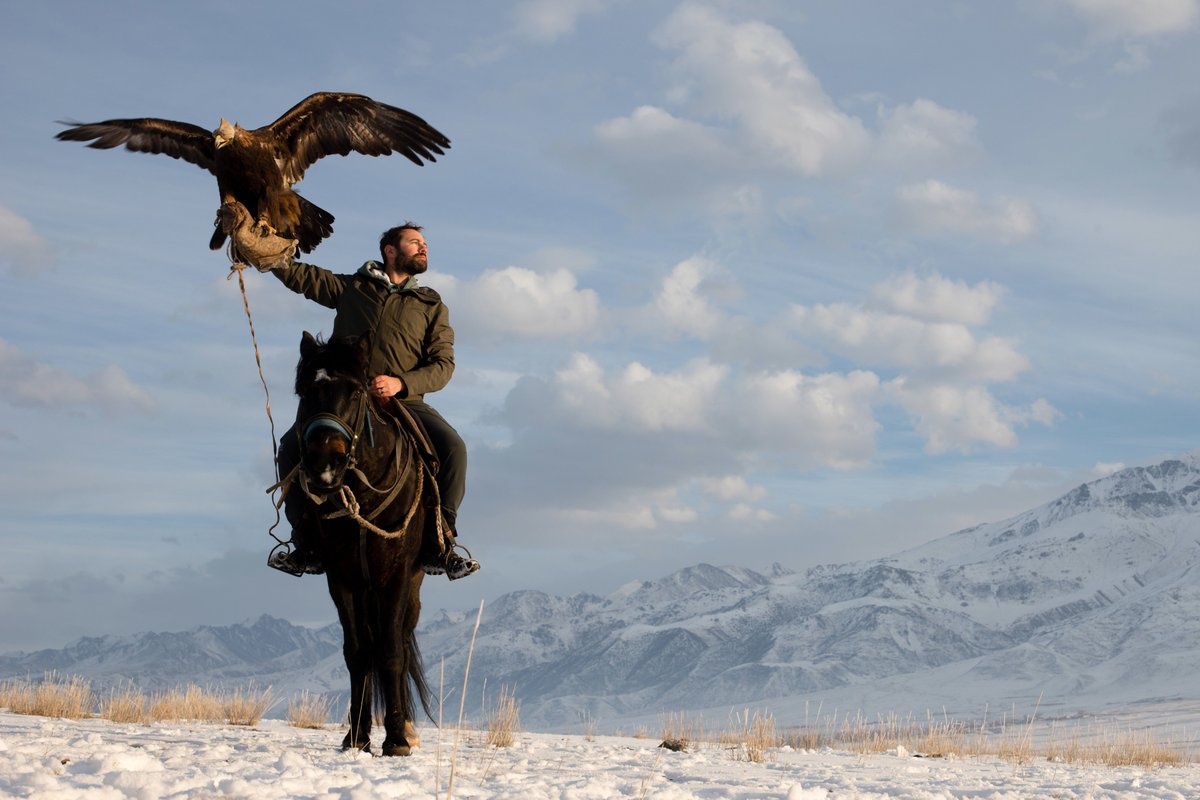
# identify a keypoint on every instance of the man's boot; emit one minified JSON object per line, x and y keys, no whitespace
{"x":301,"y":558}
{"x":296,"y":561}
{"x":447,"y":562}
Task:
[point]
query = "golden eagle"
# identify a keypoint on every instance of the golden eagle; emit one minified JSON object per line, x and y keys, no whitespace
{"x":258,"y":167}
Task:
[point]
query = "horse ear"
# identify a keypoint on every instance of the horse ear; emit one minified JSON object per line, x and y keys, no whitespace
{"x":308,"y":343}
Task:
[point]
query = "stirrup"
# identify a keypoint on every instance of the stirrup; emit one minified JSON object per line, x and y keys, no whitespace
{"x":452,"y":565}
{"x":290,"y":561}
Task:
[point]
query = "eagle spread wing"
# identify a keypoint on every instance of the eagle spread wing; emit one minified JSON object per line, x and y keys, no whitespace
{"x":328,"y":123}
{"x":258,"y":167}
{"x":147,"y":135}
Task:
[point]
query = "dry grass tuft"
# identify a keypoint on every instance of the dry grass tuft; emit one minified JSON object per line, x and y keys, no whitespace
{"x":1012,"y":738}
{"x":677,"y":732}
{"x":191,"y":703}
{"x":1114,"y":747}
{"x":504,"y":719}
{"x":68,"y":697}
{"x":246,"y":706}
{"x":589,"y":726}
{"x":749,"y":737}
{"x":124,"y":704}
{"x":308,"y":710}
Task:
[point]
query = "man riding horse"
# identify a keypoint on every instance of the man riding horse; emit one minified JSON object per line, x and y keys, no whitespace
{"x":412,"y":354}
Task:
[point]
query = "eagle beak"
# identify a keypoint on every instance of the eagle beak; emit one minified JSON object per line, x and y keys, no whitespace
{"x":223,"y":135}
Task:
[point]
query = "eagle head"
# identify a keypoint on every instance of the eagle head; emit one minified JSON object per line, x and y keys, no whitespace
{"x":224,"y":134}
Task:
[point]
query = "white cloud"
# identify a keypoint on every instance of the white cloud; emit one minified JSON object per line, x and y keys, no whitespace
{"x":26,"y":382}
{"x":743,"y":512}
{"x":824,"y":419}
{"x":657,"y":134}
{"x":937,"y":298}
{"x":894,"y":340}
{"x":747,"y":112}
{"x":925,"y":134}
{"x":680,"y":301}
{"x":638,"y":398}
{"x":550,"y":20}
{"x":677,"y":514}
{"x":652,"y":145}
{"x":519,"y":302}
{"x":1120,"y":18}
{"x":733,"y":488}
{"x":21,"y":248}
{"x":935,"y":207}
{"x":750,"y":73}
{"x":961,"y":417}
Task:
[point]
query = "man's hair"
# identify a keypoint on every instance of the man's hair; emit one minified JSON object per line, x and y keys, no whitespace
{"x":392,"y":236}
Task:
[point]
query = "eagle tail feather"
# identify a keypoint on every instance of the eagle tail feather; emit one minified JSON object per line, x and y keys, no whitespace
{"x":316,"y":225}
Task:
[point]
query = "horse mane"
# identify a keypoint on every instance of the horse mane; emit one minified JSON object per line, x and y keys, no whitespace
{"x":341,"y":356}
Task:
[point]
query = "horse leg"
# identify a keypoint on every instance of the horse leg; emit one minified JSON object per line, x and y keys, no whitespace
{"x":402,"y":663}
{"x":393,"y":680}
{"x":356,"y":651}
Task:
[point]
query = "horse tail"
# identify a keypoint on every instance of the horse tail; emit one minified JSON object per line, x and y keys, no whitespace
{"x":410,"y":655}
{"x":416,"y":673}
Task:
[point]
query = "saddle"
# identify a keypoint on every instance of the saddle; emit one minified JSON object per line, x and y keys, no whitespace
{"x":415,"y":429}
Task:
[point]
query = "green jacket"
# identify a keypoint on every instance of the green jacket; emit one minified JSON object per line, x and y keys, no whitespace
{"x":413,"y":338}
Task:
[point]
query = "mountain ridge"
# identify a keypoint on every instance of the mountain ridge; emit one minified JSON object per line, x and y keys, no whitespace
{"x":1092,"y":599}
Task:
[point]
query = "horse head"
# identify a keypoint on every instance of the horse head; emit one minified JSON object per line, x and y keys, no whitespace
{"x":331,"y":382}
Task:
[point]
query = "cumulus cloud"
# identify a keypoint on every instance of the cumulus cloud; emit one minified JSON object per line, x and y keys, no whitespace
{"x":937,"y":298}
{"x":962,"y":417}
{"x":681,"y":303}
{"x":825,"y":419}
{"x":658,"y":154}
{"x":551,"y":20}
{"x":22,"y":250}
{"x":925,"y":134}
{"x":745,"y":115}
{"x":747,"y":103}
{"x":26,"y":382}
{"x":519,"y":302}
{"x":935,"y":207}
{"x":734,"y":488}
{"x":637,"y":398}
{"x":750,"y":73}
{"x":1114,"y":19}
{"x":647,"y":435}
{"x":919,"y":330}
{"x":891,"y":340}
{"x":656,"y":134}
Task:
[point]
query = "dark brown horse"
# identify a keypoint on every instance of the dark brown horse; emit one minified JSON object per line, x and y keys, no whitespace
{"x":355,"y":495}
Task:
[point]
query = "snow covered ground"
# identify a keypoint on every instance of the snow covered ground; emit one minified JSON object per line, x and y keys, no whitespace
{"x":68,"y":759}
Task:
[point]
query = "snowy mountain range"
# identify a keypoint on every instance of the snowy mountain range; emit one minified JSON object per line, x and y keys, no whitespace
{"x":1084,"y":603}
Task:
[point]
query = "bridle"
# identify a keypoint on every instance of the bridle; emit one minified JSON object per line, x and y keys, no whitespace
{"x":353,"y":430}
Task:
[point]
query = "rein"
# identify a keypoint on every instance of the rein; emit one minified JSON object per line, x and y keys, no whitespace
{"x":351,"y":506}
{"x":238,"y":267}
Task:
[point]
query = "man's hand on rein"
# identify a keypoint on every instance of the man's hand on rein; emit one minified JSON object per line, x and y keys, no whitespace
{"x":385,"y":386}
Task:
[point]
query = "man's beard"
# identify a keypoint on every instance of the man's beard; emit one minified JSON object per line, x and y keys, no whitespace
{"x":413,"y":265}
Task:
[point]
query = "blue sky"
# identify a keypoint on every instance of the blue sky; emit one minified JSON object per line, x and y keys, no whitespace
{"x":744,"y":283}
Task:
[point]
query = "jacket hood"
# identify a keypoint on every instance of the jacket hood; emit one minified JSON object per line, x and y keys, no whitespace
{"x":374,"y":271}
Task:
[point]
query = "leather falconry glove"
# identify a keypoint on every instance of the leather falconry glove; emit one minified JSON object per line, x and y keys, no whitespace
{"x":252,"y":243}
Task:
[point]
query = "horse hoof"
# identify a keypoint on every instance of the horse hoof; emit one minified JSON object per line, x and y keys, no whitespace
{"x":396,"y":749}
{"x":349,"y":743}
